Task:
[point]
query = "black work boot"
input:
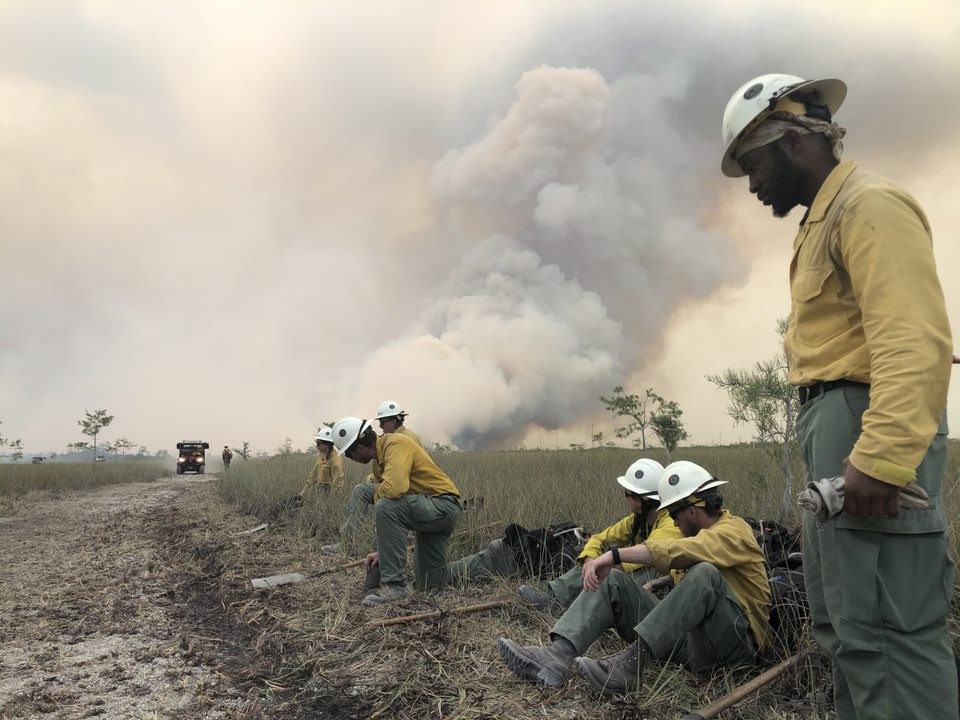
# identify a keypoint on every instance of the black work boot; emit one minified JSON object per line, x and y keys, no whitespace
{"x":546,"y":666}
{"x":545,"y":602}
{"x":617,"y":674}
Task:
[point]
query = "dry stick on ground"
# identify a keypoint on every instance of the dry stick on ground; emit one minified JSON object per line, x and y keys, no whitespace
{"x":440,"y":613}
{"x":739,"y":693}
{"x":295,"y":577}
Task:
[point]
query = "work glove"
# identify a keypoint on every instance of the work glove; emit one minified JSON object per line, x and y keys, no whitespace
{"x":824,"y":498}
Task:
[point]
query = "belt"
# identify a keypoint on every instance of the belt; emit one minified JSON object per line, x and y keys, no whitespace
{"x":809,"y":392}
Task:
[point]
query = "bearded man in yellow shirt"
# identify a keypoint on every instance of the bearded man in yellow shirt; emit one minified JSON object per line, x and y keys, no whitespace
{"x":414,"y":494}
{"x":869,"y":348}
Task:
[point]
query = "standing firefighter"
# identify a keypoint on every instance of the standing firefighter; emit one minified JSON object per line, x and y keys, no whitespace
{"x":870,"y":350}
{"x":415,"y":495}
{"x":226,"y":456}
{"x":327,"y":473}
{"x":645,"y":520}
{"x":390,"y":417}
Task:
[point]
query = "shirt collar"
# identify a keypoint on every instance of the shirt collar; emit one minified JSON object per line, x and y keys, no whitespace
{"x":828,"y":191}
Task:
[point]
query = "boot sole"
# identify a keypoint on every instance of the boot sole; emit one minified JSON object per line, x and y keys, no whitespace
{"x":519,"y":665}
{"x":528,"y":670}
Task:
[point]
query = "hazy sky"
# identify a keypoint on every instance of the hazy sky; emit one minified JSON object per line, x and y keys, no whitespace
{"x":233,"y":221}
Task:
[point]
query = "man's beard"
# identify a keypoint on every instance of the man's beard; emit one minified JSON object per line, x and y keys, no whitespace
{"x":786,"y":183}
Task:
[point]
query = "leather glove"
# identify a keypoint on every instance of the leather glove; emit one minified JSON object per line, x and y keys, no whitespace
{"x":824,"y":498}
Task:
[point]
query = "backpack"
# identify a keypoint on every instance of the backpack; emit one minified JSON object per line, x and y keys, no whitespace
{"x":789,"y":610}
{"x":778,"y":543}
{"x":545,"y":552}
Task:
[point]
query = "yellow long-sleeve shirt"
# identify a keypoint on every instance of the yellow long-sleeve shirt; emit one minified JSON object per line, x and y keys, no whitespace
{"x":407,"y":469}
{"x":867,"y":306}
{"x":730,"y":546}
{"x":621,"y":533}
{"x":374,"y":476}
{"x":327,"y":471}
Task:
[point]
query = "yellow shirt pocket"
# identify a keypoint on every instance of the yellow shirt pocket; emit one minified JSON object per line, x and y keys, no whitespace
{"x":817,"y":316}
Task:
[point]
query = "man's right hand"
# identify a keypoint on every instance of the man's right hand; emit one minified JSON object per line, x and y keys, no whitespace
{"x":594,"y":571}
{"x":371,"y":560}
{"x":865,"y":496}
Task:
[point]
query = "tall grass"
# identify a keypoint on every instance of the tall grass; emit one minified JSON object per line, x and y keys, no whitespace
{"x":17,"y":480}
{"x":422,"y":669}
{"x":530,"y":487}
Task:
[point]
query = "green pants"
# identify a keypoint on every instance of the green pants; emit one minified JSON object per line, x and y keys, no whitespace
{"x":699,"y":623}
{"x":355,"y":533}
{"x":494,"y":561}
{"x":568,"y":586}
{"x":432,"y":519}
{"x":879,"y":589}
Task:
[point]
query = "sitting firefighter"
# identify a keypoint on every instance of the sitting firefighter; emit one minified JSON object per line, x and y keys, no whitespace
{"x":716,"y":615}
{"x":645,"y":520}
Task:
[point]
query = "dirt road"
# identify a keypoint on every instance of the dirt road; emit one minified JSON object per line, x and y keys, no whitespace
{"x":99,"y":616}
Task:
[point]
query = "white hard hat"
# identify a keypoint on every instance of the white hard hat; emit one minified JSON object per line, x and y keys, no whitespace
{"x":325,"y":434}
{"x":642,"y":477}
{"x":757,"y":98}
{"x":682,"y":479}
{"x":346,"y":431}
{"x":389,"y":408}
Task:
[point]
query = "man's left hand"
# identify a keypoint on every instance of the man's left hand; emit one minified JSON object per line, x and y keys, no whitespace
{"x":865,"y":496}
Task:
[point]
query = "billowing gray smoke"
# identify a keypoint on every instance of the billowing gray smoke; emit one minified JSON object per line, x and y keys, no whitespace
{"x":574,"y":237}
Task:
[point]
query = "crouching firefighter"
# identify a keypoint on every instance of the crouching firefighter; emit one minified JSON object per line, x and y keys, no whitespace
{"x":414,"y":495}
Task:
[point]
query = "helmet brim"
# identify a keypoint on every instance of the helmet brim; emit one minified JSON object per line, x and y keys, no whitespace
{"x":624,"y":483}
{"x":363,"y":426}
{"x":832,"y":91}
{"x":706,"y":486}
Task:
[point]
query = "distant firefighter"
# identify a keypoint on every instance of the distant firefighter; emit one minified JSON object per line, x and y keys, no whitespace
{"x":328,"y":470}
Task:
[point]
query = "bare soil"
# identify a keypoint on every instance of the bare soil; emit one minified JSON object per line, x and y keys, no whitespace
{"x":102,"y":614}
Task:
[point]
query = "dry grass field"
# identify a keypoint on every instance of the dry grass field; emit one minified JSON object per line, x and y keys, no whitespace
{"x":134,"y":601}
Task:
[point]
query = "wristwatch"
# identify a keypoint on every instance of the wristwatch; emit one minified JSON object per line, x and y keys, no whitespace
{"x":616,"y":555}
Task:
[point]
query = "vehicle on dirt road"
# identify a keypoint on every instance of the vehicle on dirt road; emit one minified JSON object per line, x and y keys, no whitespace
{"x":192,"y":457}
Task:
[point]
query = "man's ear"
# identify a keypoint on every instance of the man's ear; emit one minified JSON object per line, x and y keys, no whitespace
{"x":792,"y":143}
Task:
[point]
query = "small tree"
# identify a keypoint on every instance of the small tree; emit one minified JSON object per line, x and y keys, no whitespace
{"x":162,"y":453}
{"x":667,"y":426}
{"x":762,"y":397}
{"x":243,"y":451}
{"x":638,"y":409}
{"x":597,"y":439}
{"x":3,"y":440}
{"x":17,"y":447}
{"x":142,"y":451}
{"x":286,"y":447}
{"x":123,"y":444}
{"x":78,"y":447}
{"x":92,"y":423}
